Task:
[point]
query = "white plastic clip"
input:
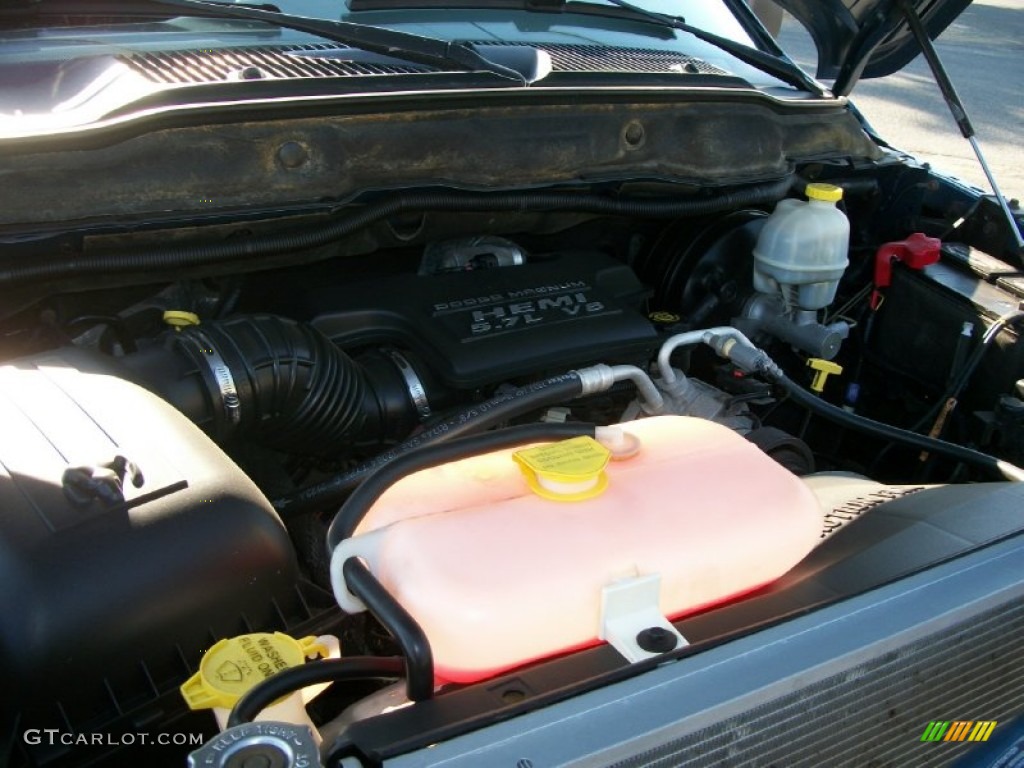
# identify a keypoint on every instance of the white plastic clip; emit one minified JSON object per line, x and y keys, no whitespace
{"x":631,"y":621}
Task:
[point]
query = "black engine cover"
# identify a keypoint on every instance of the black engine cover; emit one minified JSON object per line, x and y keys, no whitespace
{"x":482,"y":326}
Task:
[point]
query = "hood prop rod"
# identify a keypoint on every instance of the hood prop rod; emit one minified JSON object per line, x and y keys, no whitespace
{"x":956,"y":107}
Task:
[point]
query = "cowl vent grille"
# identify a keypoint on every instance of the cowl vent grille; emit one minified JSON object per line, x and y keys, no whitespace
{"x":320,"y":60}
{"x":567,"y":57}
{"x":256,"y":63}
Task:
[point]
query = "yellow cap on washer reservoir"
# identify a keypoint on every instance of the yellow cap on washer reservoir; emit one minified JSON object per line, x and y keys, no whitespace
{"x":234,"y":665}
{"x":569,"y":470}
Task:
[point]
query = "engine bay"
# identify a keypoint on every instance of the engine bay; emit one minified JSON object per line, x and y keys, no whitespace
{"x":186,"y":458}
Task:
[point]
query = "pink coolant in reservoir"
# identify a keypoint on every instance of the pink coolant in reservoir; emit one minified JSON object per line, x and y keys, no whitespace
{"x":502,"y":558}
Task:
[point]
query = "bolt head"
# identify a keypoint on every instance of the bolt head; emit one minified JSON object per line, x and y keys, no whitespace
{"x":291,"y":154}
{"x":657,"y":640}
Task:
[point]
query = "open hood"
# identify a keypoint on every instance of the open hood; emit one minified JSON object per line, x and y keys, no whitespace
{"x":867,"y":38}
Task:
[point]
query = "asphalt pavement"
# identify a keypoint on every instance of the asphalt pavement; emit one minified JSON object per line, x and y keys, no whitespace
{"x":983,"y":51}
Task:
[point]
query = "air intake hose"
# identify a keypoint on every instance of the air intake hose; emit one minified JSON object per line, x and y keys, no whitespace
{"x":274,"y":381}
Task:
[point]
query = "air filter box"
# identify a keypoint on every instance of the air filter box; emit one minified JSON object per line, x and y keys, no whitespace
{"x":128,"y":542}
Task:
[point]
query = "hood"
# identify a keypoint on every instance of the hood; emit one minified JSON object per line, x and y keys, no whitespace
{"x":867,"y":38}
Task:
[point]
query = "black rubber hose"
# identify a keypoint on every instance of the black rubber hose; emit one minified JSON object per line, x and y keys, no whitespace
{"x":296,"y":390}
{"x":287,"y":681}
{"x":266,"y":378}
{"x":867,"y":426}
{"x":352,"y":512}
{"x":475,"y":418}
{"x":201,"y":254}
{"x":419,"y":659}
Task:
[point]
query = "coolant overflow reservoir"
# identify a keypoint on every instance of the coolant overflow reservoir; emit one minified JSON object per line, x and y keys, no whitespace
{"x":802,"y":249}
{"x":497,"y":575}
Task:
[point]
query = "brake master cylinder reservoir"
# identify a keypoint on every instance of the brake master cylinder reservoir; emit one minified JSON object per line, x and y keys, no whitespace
{"x":802,"y":249}
{"x":508,"y":557}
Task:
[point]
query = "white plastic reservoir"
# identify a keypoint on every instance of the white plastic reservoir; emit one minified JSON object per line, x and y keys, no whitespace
{"x":802,"y":249}
{"x":502,"y":558}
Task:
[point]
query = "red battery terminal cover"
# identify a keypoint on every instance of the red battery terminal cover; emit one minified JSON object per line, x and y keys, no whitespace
{"x":917,"y":252}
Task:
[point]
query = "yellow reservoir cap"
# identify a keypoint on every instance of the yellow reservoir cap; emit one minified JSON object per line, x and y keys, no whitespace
{"x":569,"y":470}
{"x":178,"y":319}
{"x":830,"y":193}
{"x":236,"y":664}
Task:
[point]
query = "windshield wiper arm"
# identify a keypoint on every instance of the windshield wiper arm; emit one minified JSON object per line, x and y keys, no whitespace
{"x":366,"y":37}
{"x":780,"y":68}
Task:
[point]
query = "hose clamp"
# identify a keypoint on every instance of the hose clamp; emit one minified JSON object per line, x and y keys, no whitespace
{"x":221,"y":373}
{"x":413,"y":383}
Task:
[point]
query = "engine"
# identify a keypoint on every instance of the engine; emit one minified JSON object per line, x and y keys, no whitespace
{"x":418,"y":342}
{"x":199,"y":474}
